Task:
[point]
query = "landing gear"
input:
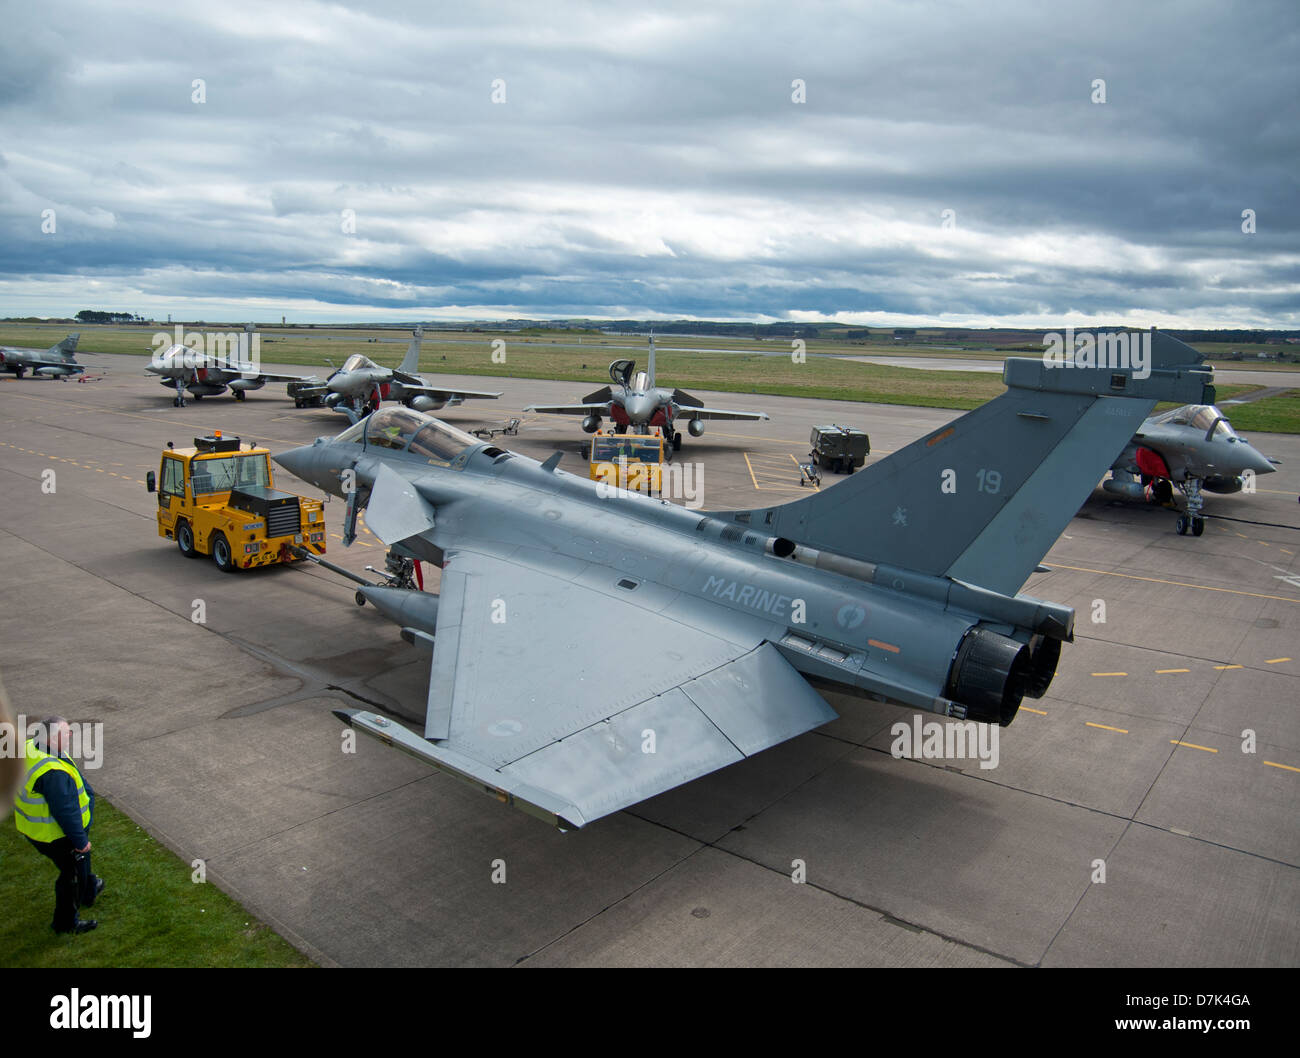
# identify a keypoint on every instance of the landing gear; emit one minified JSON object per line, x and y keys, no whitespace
{"x":398,"y":571}
{"x":1192,"y":519}
{"x":20,"y":372}
{"x":1162,"y":491}
{"x":677,"y":442}
{"x":240,"y":394}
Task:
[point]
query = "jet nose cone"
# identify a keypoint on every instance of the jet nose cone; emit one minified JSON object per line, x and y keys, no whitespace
{"x":299,"y":462}
{"x":1259,"y":464}
{"x":638,"y":408}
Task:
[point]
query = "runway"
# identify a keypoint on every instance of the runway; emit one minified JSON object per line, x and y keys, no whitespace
{"x":1143,"y":813}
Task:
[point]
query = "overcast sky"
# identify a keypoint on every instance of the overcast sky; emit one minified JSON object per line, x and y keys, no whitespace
{"x":650,"y":160}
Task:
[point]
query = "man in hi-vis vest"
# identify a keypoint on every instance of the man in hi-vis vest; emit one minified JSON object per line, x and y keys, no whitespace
{"x":53,"y":811}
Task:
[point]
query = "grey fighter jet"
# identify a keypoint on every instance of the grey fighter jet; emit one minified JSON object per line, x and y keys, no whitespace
{"x":357,"y":388}
{"x":1191,"y":447}
{"x":592,"y":647}
{"x":55,"y":362}
{"x":639,"y":402}
{"x":204,"y":373}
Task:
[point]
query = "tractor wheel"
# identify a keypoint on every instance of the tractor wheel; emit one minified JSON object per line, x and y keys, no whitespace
{"x":1182,"y":525}
{"x":185,"y":539}
{"x":1198,"y":526}
{"x":222,"y":555}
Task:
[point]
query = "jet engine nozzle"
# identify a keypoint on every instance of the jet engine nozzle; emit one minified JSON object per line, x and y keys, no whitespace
{"x":990,"y":674}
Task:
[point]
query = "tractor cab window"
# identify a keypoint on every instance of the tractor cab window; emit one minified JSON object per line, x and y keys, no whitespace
{"x":171,"y":480}
{"x":223,"y":473}
{"x":609,"y":448}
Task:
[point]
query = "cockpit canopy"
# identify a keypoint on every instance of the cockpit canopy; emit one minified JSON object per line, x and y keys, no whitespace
{"x":357,"y":362}
{"x":403,"y":430}
{"x":1201,"y":417}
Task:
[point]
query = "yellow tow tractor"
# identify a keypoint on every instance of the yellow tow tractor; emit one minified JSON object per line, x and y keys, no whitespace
{"x":217,"y":498}
{"x":628,"y":461}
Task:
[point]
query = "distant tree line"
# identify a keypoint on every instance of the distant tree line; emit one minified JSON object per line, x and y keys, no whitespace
{"x":95,"y":316}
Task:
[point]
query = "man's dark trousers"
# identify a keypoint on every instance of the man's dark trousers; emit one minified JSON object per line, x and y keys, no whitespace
{"x":75,"y":884}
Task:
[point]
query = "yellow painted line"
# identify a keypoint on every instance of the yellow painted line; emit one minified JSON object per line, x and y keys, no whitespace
{"x":1110,"y":673}
{"x":1274,"y":764}
{"x":883,"y":646}
{"x":1162,"y":672}
{"x":1176,"y":583}
{"x":751,"y":469}
{"x":1285,"y":551}
{"x":1261,"y":542}
{"x":1222,"y":667}
{"x":1028,"y":710}
{"x":1243,"y":536}
{"x":1276,"y":661}
{"x":1107,"y":727}
{"x":1191,"y":745}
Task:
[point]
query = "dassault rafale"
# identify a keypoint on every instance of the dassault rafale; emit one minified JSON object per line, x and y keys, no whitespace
{"x":899,"y":584}
{"x":638,"y":402}
{"x":208,"y":368}
{"x":359,"y":387}
{"x":1191,"y":448}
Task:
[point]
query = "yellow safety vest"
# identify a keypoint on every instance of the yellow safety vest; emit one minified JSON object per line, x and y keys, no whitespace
{"x":31,"y":810}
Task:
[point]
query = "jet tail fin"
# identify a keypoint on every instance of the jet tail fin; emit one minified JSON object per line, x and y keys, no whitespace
{"x":411,"y":362}
{"x":67,"y":347}
{"x":982,"y":499}
{"x":650,"y":363}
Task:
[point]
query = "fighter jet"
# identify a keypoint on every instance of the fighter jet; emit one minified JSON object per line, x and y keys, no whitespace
{"x":1191,"y":447}
{"x":358,"y":387}
{"x":207,"y":374}
{"x":592,"y":647}
{"x":639,"y":402}
{"x":55,"y":362}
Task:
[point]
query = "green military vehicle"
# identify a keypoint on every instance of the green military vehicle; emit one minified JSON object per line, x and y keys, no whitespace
{"x":839,"y":448}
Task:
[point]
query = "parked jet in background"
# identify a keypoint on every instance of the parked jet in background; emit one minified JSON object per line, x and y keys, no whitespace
{"x":638,"y":402}
{"x":592,"y":647}
{"x":358,"y":387}
{"x":55,"y":362}
{"x":204,"y":374}
{"x":1192,"y":447}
